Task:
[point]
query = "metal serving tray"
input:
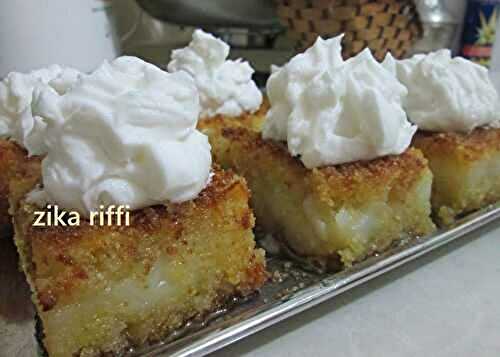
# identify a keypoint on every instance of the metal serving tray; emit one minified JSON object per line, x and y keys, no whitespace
{"x":293,"y":289}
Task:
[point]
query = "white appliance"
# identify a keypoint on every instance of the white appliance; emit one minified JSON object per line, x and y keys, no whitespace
{"x":495,"y":61}
{"x":37,"y":33}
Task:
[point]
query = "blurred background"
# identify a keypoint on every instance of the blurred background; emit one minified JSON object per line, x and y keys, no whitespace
{"x":269,"y":32}
{"x":81,"y":34}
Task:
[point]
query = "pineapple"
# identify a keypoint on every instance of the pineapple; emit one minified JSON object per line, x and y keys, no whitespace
{"x":486,"y":33}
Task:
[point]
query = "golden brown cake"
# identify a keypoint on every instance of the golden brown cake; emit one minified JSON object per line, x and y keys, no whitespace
{"x":346,"y":211}
{"x":252,"y":121}
{"x":466,"y":170}
{"x":16,"y":169}
{"x":212,"y":126}
{"x":99,"y":290}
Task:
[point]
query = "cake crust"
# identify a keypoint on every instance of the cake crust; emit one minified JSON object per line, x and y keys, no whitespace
{"x":466,"y":168}
{"x":18,"y":170}
{"x":121,"y":286}
{"x":348,"y":211}
{"x":465,"y":147}
{"x":253,"y":121}
{"x":349,"y":183}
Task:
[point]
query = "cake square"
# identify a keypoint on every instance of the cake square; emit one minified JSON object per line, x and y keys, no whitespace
{"x":466,"y":170}
{"x":212,"y":127}
{"x":99,"y":290}
{"x":253,"y":121}
{"x":337,"y":213}
{"x":16,"y":169}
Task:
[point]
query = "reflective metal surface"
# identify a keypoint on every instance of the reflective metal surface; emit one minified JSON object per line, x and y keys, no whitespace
{"x":255,"y":14}
{"x":292,"y":290}
{"x":441,"y":20}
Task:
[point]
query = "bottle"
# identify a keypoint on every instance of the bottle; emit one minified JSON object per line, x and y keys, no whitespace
{"x":442,"y":22}
{"x":480,"y":25}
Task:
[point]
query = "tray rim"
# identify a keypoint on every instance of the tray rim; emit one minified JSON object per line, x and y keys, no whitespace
{"x":202,"y":343}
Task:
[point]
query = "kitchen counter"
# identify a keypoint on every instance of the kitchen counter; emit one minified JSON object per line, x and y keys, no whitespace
{"x":443,"y":304}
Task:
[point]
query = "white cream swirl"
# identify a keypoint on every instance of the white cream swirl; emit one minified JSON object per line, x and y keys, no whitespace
{"x":225,"y":86}
{"x":351,"y":113}
{"x":332,"y":112}
{"x":286,"y":84}
{"x":445,"y":93}
{"x":125,"y":135}
{"x":17,"y":121}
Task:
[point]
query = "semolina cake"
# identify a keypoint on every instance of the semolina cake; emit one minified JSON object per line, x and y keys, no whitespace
{"x":228,"y":95}
{"x":212,"y":126}
{"x":14,"y":165}
{"x":100,"y":290}
{"x":253,"y":121}
{"x":345,"y":212}
{"x":226,"y":88}
{"x":456,"y":107}
{"x":21,"y":132}
{"x":331,"y":172}
{"x":466,"y":170}
{"x":125,"y":137}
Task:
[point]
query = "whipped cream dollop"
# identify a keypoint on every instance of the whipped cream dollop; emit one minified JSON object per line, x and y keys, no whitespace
{"x":124,"y":135}
{"x":287,"y":83}
{"x":446,"y":93}
{"x":225,"y":86}
{"x":349,"y":111}
{"x":17,"y":121}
